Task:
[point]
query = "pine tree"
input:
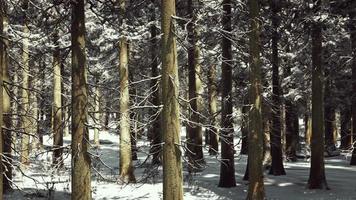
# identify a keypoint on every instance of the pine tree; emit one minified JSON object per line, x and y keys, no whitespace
{"x":172,"y":163}
{"x":227,"y":166}
{"x":194,"y":129}
{"x":255,"y":150}
{"x":317,"y":179}
{"x":2,"y":67}
{"x":7,"y":121}
{"x":126,"y":167}
{"x":276,"y":146}
{"x":57,"y":105}
{"x":81,"y":180}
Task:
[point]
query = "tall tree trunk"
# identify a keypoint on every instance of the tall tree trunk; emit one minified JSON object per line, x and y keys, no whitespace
{"x":81,"y":180}
{"x":194,"y":129}
{"x":256,"y":186}
{"x":317,"y":179}
{"x":244,"y":126}
{"x":172,"y":163}
{"x":156,"y":137}
{"x":212,"y":130}
{"x":7,"y":121}
{"x":292,"y":130}
{"x":227,"y":166}
{"x":329,"y":114}
{"x":57,"y":106}
{"x":276,"y":145}
{"x":3,"y":66}
{"x":352,"y":15}
{"x":126,"y":166}
{"x":345,"y":130}
{"x":25,"y":119}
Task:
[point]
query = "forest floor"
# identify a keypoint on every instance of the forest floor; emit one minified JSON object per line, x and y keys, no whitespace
{"x":41,"y":181}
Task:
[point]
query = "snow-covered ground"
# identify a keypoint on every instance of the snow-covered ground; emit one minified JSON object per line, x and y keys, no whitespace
{"x":40,"y":181}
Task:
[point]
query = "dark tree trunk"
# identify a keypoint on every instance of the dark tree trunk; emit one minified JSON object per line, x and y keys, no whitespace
{"x":329,"y":115}
{"x":81,"y":180}
{"x":212,"y":130}
{"x":255,"y":139}
{"x":292,"y":131}
{"x":194,"y":129}
{"x":353,"y":100}
{"x":317,"y":179}
{"x":155,"y":134}
{"x":345,"y":130}
{"x":244,"y":127}
{"x":227,"y":166}
{"x":276,"y":145}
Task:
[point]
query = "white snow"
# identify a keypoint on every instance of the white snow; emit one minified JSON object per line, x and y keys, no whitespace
{"x":40,"y":181}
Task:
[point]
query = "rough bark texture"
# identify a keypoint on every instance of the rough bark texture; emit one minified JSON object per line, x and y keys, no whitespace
{"x":244,"y":127}
{"x":276,"y":145}
{"x":156,"y":137}
{"x":194,"y":129}
{"x":256,"y":186}
{"x":57,"y":106}
{"x":126,"y":167}
{"x":172,"y":163}
{"x":7,"y":121}
{"x":2,"y":67}
{"x":353,"y":100}
{"x":25,"y":92}
{"x":227,"y":166}
{"x":212,"y":130}
{"x":81,"y":181}
{"x":317,"y":179}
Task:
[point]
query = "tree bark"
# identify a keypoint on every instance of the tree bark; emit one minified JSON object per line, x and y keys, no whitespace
{"x":212,"y":130}
{"x":195,"y":132}
{"x":7,"y":121}
{"x":3,"y":63}
{"x":57,"y":106}
{"x":352,"y":15}
{"x":345,"y":129}
{"x":276,"y":145}
{"x":156,"y":137}
{"x":256,"y":186}
{"x":227,"y":166}
{"x":81,"y":178}
{"x":172,"y":163}
{"x":317,"y":179}
{"x":126,"y":166}
{"x":25,"y":119}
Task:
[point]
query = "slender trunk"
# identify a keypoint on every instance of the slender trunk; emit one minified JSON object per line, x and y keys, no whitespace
{"x":292,"y":131}
{"x":7,"y":121}
{"x":25,"y":119}
{"x":195,"y":133}
{"x":276,"y":146}
{"x":244,"y":127}
{"x":227,"y":166}
{"x":329,"y":115}
{"x":155,"y":134}
{"x":126,"y":166}
{"x":353,"y":104}
{"x":57,"y":106}
{"x":172,"y":163}
{"x":345,"y":130}
{"x":3,"y":103}
{"x":212,"y":130}
{"x":256,"y":186}
{"x":81,"y":180}
{"x":317,"y":179}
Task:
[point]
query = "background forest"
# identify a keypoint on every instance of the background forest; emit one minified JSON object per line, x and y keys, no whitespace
{"x":173,"y":99}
